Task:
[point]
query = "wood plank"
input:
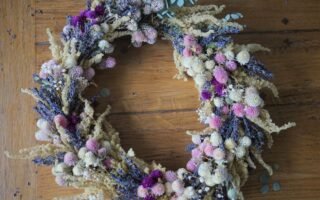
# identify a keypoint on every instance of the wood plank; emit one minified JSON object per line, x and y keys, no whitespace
{"x":260,"y":16}
{"x":143,"y":80}
{"x":17,"y":61}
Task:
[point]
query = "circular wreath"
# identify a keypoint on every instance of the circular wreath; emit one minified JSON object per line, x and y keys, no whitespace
{"x":84,"y":150}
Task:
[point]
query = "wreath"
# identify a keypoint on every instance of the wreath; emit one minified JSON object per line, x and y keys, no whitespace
{"x":83,"y":148}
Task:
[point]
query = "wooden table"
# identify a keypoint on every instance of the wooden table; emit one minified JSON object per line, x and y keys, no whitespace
{"x":151,"y":110}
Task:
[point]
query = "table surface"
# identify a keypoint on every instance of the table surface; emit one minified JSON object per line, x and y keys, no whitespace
{"x":151,"y":110}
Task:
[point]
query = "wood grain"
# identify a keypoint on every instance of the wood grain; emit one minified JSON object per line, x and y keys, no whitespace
{"x":152,"y":109}
{"x":17,"y":59}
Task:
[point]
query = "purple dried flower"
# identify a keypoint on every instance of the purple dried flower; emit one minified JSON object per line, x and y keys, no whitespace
{"x":78,"y":20}
{"x":99,"y":10}
{"x":149,"y":197}
{"x":206,"y":95}
{"x":155,"y":174}
{"x":218,"y":87}
{"x":90,"y":14}
{"x":148,"y":182}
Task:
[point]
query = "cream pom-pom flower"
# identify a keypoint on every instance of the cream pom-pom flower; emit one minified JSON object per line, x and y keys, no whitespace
{"x":243,"y":57}
{"x":236,"y":94}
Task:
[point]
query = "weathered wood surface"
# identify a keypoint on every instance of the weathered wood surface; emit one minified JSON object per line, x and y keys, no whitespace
{"x":151,"y":108}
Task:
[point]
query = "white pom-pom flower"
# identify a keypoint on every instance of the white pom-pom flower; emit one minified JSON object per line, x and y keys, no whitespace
{"x":232,"y":194}
{"x":82,"y":152}
{"x":189,"y":192}
{"x":229,"y":55}
{"x":60,"y":168}
{"x":186,"y":62}
{"x":204,"y":169}
{"x":96,"y":28}
{"x":105,"y":27}
{"x":245,"y":141}
{"x":196,"y":139}
{"x":200,"y":80}
{"x":218,"y":102}
{"x":243,"y":57}
{"x":210,"y":180}
{"x":235,"y":95}
{"x":43,"y":124}
{"x":220,"y":175}
{"x":215,"y":139}
{"x":42,"y":136}
{"x":190,"y":72}
{"x":103,"y":44}
{"x":197,"y":65}
{"x":209,"y":64}
{"x":230,"y":144}
{"x":181,"y":172}
{"x":90,"y":159}
{"x":78,"y":169}
{"x":253,"y":100}
{"x":177,"y":186}
{"x":240,"y":151}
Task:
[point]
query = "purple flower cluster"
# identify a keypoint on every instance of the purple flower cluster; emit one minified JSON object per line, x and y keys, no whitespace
{"x":88,"y":16}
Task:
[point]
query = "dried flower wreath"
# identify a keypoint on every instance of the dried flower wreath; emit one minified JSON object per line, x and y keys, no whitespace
{"x":83,"y":148}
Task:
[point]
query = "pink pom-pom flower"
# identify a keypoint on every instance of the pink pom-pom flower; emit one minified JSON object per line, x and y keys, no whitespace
{"x":187,"y":52}
{"x":92,"y":145}
{"x":142,"y":192}
{"x":89,"y":73}
{"x":170,"y":176}
{"x":202,"y":146}
{"x":76,"y":71}
{"x":178,"y":187}
{"x":220,"y":58}
{"x":218,"y":154}
{"x":238,"y":109}
{"x":252,"y":112}
{"x":107,"y":163}
{"x":138,"y":36}
{"x":220,"y":75}
{"x":150,"y":32}
{"x":209,"y":149}
{"x":110,"y":62}
{"x":60,"y":181}
{"x":70,"y":159}
{"x":197,"y":48}
{"x":215,"y":122}
{"x":158,"y":189}
{"x":231,"y":65}
{"x":102,"y":152}
{"x":189,"y":41}
{"x":61,"y":120}
{"x":196,"y":153}
{"x":191,"y":165}
{"x":225,"y":109}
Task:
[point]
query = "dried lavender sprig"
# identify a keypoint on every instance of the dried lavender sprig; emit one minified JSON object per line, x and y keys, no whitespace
{"x":230,"y":128}
{"x":49,"y":160}
{"x":254,"y":67}
{"x":44,"y":111}
{"x":129,"y":181}
{"x":255,"y":133}
{"x":75,"y":139}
